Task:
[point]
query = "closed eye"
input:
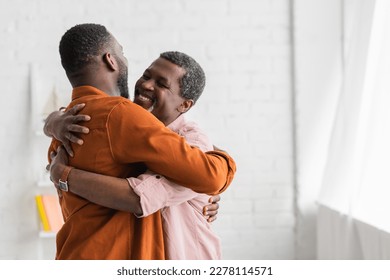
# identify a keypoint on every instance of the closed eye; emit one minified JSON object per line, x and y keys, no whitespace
{"x":162,"y":84}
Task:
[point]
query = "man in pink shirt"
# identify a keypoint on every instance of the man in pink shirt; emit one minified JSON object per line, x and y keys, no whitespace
{"x":168,"y":88}
{"x":187,"y":234}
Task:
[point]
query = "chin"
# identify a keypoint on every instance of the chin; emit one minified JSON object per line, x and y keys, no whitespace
{"x":143,"y":104}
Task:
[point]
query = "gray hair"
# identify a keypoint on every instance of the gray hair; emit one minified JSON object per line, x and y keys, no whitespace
{"x":194,"y":80}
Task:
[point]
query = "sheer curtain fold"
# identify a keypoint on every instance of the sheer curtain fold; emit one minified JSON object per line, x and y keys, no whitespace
{"x":352,"y":223}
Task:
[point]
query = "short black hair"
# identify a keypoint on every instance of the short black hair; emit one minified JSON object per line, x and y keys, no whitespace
{"x":194,"y":80}
{"x":81,"y":43}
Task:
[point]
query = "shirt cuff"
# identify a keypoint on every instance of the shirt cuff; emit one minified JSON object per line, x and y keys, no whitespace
{"x":152,"y":196}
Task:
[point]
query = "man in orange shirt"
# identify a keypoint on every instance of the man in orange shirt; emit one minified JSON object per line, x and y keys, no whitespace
{"x":124,"y":140}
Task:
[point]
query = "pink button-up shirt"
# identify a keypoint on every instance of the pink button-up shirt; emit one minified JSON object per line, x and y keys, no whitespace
{"x":187,"y":234}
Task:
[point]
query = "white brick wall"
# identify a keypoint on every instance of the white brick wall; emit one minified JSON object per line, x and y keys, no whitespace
{"x":244,"y":47}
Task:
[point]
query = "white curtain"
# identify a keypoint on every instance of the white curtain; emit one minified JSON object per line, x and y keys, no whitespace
{"x":353,"y":220}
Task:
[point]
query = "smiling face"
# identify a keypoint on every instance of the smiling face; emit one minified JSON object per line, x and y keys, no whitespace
{"x":158,"y":90}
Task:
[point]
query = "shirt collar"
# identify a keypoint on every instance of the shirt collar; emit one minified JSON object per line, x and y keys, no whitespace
{"x":86,"y":90}
{"x":177,"y":124}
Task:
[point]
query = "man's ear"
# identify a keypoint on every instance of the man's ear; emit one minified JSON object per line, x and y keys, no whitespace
{"x":185,"y":105}
{"x":110,"y":61}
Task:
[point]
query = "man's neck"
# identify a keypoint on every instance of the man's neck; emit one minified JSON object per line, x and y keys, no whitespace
{"x":103,"y":88}
{"x":96,"y":80}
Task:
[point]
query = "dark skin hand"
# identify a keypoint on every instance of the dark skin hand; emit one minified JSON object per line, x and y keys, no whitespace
{"x":71,"y":129}
{"x":211,"y":210}
{"x":124,"y":200}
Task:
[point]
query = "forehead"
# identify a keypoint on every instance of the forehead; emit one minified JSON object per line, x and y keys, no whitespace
{"x":166,"y":69}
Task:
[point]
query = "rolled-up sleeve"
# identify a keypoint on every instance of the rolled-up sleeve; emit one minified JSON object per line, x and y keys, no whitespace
{"x":156,"y":192}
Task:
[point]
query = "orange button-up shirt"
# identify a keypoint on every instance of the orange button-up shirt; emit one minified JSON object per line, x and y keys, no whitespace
{"x":123,"y":141}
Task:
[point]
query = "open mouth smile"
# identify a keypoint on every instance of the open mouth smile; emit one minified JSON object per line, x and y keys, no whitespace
{"x":146,"y":100}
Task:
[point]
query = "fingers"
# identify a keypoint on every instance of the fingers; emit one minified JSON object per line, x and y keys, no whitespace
{"x":215,"y":198}
{"x":212,"y":214}
{"x":211,"y":207}
{"x":75,"y":109}
{"x":75,"y":117}
{"x":79,"y":118}
{"x":68,"y":148}
{"x":211,"y":210}
{"x":74,"y":139}
{"x":212,"y":219}
{"x":78,"y":128}
{"x":61,"y":151}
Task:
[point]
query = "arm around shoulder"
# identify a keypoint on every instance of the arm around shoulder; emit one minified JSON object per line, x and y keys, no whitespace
{"x":166,"y":153}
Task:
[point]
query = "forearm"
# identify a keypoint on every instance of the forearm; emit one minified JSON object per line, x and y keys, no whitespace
{"x":104,"y":190}
{"x":212,"y":175}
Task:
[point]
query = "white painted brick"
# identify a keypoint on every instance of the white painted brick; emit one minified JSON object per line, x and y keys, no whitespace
{"x":264,"y":221}
{"x":280,"y":6}
{"x":204,"y":7}
{"x":269,"y":20}
{"x":193,"y":36}
{"x":280,"y":35}
{"x":281,"y":93}
{"x":284,"y":191}
{"x":274,"y":205}
{"x":223,"y":221}
{"x":258,"y":65}
{"x":237,"y":207}
{"x":233,"y":49}
{"x":285,"y":219}
{"x":261,"y":191}
{"x":242,"y":221}
{"x":272,"y":50}
{"x":281,"y":65}
{"x":254,"y":191}
{"x":227,"y":22}
{"x":258,"y":7}
{"x":245,"y":49}
{"x":254,"y":35}
{"x":155,"y":6}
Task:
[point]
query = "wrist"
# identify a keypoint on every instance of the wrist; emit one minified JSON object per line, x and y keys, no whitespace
{"x":56,"y":171}
{"x":63,"y":181}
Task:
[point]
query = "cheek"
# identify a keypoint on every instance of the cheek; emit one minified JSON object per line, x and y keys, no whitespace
{"x":163,"y":109}
{"x":137,"y":84}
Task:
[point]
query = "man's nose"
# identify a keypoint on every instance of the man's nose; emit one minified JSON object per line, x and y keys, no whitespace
{"x":149,"y":84}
